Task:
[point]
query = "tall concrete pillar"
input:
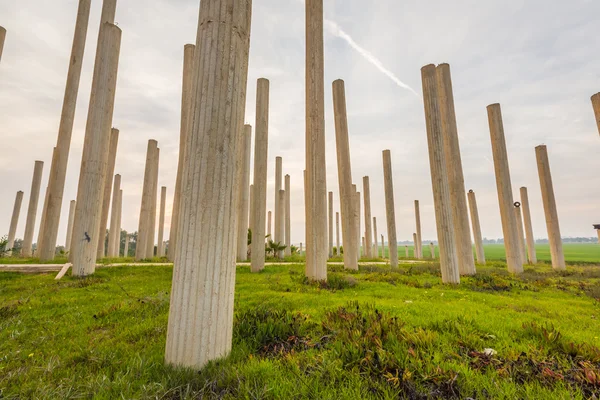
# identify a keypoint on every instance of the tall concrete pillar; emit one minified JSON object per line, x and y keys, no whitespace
{"x":32,"y":209}
{"x":382,"y":247}
{"x":441,"y":188}
{"x":432,"y":250}
{"x":357,"y":220}
{"x":245,"y":153}
{"x":108,"y":185}
{"x":278,"y":234}
{"x":368,"y":218}
{"x":200,"y":324}
{"x":418,"y":249}
{"x":119,"y":215}
{"x":186,"y":93}
{"x":375,"y":246}
{"x":281,"y":212}
{"x":14,"y":221}
{"x":70,"y":225}
{"x":454,"y":172}
{"x":345,"y":176}
{"x":528,"y":226}
{"x":416,"y":245}
{"x":316,"y":168}
{"x":363,"y":246}
{"x":330,"y":220}
{"x":552,"y":224}
{"x":146,"y":207}
{"x":152,"y":232}
{"x":161,"y":222}
{"x":251,"y":211}
{"x":390,"y":207}
{"x":261,"y":149}
{"x":288,"y":220}
{"x":337,"y":233}
{"x":505,"y":195}
{"x":92,"y":178}
{"x":596,"y":106}
{"x":58,"y":169}
{"x":40,"y":238}
{"x":2,"y":39}
{"x":126,"y":249}
{"x":520,"y":231}
{"x":114,"y":218}
{"x":269,"y":225}
{"x":476,"y":228}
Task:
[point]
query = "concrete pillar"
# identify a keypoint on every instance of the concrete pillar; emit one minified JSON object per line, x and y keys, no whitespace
{"x":528,"y":226}
{"x":439,"y":179}
{"x":357,"y":221}
{"x":375,"y":247}
{"x":245,"y":152}
{"x":596,"y":106}
{"x":279,"y":227}
{"x":337,"y":233}
{"x":152,"y":232}
{"x":476,"y":228}
{"x":269,"y":225}
{"x":345,"y":176}
{"x":390,"y":207}
{"x":119,"y":215}
{"x":92,"y":179}
{"x":368,"y":218}
{"x":58,"y":169}
{"x":186,"y":93}
{"x":432,"y":250}
{"x":114,"y":218}
{"x":251,"y":211}
{"x":2,"y":39}
{"x":32,"y":209}
{"x":316,"y":168}
{"x":261,"y":148}
{"x":520,"y":231}
{"x":146,"y":207}
{"x":40,"y":238}
{"x":108,"y":186}
{"x":161,"y":222}
{"x":363,"y":247}
{"x":382,"y":248}
{"x":552,"y":224}
{"x":598,"y":232}
{"x":287,"y":219}
{"x":330,"y":220}
{"x":416,"y":245}
{"x":419,"y":242}
{"x":454,"y":172}
{"x":406,"y":253}
{"x":70,"y":225}
{"x":200,"y":324}
{"x":504,"y":186}
{"x":14,"y":221}
{"x":126,"y":249}
{"x":301,"y":249}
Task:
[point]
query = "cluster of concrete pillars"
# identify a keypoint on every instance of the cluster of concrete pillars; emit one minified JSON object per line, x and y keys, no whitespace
{"x":145,"y":240}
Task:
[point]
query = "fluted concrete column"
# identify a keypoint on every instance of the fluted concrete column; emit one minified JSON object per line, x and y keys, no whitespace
{"x":476,"y":228}
{"x":596,"y":106}
{"x":337,"y":233}
{"x":119,"y":215}
{"x":363,"y":246}
{"x":390,"y":207}
{"x":330,"y":220}
{"x":357,"y":220}
{"x":269,"y":225}
{"x":278,"y":234}
{"x":316,"y":168}
{"x":419,"y":243}
{"x":368,"y":218}
{"x":288,"y":220}
{"x":161,"y":222}
{"x":261,"y":149}
{"x":375,"y":246}
{"x":245,"y":152}
{"x":14,"y":221}
{"x":126,"y":249}
{"x":504,"y":186}
{"x":281,"y":222}
{"x":40,"y":238}
{"x":152,"y":232}
{"x":201,"y":312}
{"x":439,"y":179}
{"x":416,"y":245}
{"x":146,"y":206}
{"x":454,"y":172}
{"x":2,"y":39}
{"x":550,"y":211}
{"x":251,"y":211}
{"x":114,"y":217}
{"x":70,"y":225}
{"x":520,"y":231}
{"x":382,"y":247}
{"x":92,"y":179}
{"x":58,"y":169}
{"x":528,"y":226}
{"x":186,"y":92}
{"x":345,"y":176}
{"x":108,"y":186}
{"x":32,"y":209}
{"x":432,"y":250}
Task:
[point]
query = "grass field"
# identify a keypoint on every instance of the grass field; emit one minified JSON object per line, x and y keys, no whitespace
{"x":375,"y":334}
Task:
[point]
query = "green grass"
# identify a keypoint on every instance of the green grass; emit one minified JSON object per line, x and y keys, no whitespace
{"x":375,"y":334}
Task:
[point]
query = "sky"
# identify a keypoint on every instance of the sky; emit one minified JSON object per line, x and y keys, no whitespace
{"x":537,"y":58}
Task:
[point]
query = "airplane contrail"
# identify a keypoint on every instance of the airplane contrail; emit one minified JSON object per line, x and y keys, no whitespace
{"x":335,"y":30}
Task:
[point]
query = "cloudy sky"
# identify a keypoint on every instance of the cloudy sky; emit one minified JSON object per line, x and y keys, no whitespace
{"x":538,"y":58}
